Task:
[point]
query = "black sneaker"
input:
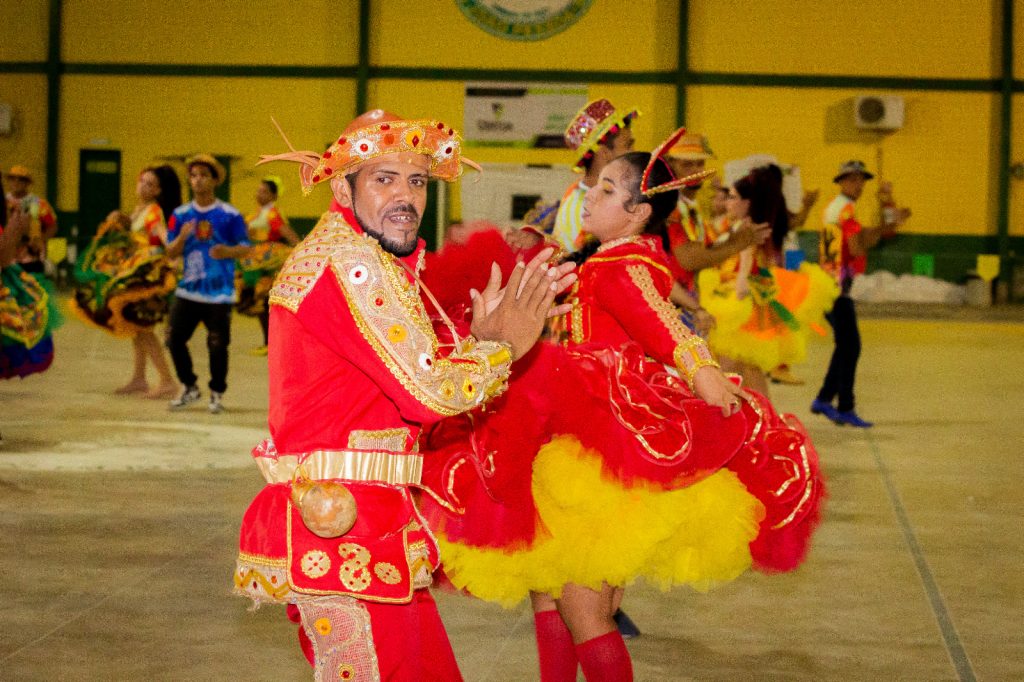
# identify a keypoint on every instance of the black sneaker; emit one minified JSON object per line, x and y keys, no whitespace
{"x":188,"y":396}
{"x":627,"y":628}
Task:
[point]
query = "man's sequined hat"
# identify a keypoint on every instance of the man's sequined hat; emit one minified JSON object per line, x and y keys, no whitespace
{"x":375,"y":134}
{"x":592,"y":124}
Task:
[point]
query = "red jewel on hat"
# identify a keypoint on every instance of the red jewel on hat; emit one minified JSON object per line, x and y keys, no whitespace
{"x":316,"y":178}
{"x":450,"y":132}
{"x":415,"y":140}
{"x":328,"y":170}
{"x":341,"y":140}
{"x":385,"y":126}
{"x":327,"y":154}
{"x":379,"y":302}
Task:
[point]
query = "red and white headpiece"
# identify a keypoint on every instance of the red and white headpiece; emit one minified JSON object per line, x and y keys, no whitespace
{"x":658,"y":155}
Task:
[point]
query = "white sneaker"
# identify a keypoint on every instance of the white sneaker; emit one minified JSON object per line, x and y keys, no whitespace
{"x":215,"y":406}
{"x":188,"y":396}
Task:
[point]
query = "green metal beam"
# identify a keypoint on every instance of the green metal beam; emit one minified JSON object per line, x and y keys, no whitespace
{"x":22,"y":67}
{"x":53,"y":73}
{"x":211,"y":70}
{"x":846,"y":82}
{"x":1005,"y":139}
{"x":682,"y":61}
{"x":363,"y":69}
{"x":522,"y":75}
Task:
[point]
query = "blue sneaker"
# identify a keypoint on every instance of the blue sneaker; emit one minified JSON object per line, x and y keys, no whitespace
{"x":627,"y":628}
{"x":852,"y":419}
{"x":821,"y":407}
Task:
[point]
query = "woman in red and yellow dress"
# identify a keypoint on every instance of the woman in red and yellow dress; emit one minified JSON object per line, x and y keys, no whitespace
{"x":625,"y":453}
{"x":272,"y":239}
{"x":124,"y":279}
{"x":764,"y":313}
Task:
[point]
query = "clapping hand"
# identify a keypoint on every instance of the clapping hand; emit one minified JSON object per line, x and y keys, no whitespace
{"x":519,"y":320}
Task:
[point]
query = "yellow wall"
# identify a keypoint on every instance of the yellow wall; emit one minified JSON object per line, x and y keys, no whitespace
{"x":222,"y":32}
{"x":949,"y":193}
{"x":948,"y":39}
{"x":1018,"y":40}
{"x":26,"y":93}
{"x":1017,"y":156}
{"x":148,"y":118}
{"x":943,"y":161}
{"x":1017,"y":144}
{"x":436,"y":34}
{"x":23,"y":30}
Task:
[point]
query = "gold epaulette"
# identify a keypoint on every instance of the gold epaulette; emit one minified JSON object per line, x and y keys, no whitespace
{"x":311,"y":257}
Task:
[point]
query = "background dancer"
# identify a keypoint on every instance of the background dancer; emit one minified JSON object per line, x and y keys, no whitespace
{"x":27,"y":309}
{"x":124,"y":278}
{"x":764,"y":313}
{"x":210,"y":234}
{"x":271,"y":236}
{"x":843,"y":247}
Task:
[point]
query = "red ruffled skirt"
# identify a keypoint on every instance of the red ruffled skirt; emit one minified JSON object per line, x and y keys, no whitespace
{"x":598,"y":465}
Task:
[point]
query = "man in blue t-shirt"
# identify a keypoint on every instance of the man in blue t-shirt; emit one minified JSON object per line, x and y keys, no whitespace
{"x":210,"y":235}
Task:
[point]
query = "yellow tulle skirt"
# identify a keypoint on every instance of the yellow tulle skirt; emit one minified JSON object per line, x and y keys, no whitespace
{"x":772,"y":325}
{"x":595,"y":530}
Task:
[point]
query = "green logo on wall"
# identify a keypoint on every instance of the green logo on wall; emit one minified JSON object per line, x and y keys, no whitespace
{"x":524,"y":19}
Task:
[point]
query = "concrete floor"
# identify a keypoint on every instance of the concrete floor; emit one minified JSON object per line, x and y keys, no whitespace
{"x":119,"y":522}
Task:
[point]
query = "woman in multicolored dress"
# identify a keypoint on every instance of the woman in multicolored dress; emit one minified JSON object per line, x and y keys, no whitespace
{"x":625,"y":454}
{"x":764,"y":313}
{"x":272,"y":238}
{"x":124,"y":278}
{"x":27,"y":309}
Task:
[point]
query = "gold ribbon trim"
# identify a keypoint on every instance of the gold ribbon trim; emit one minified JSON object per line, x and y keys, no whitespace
{"x":370,"y":466}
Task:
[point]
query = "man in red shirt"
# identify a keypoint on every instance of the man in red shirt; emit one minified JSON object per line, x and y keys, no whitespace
{"x":356,"y":370}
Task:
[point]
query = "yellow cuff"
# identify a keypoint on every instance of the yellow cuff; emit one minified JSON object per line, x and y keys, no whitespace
{"x":691,"y":355}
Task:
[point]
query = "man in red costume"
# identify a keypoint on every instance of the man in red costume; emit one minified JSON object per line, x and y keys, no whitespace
{"x":356,"y":370}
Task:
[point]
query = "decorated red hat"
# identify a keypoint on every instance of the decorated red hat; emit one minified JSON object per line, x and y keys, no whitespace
{"x":378,"y":133}
{"x":675,"y":183}
{"x":592,"y":124}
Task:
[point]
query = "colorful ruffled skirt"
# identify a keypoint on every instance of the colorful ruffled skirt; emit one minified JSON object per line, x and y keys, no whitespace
{"x":771,"y":326}
{"x":28,"y":315}
{"x":255,"y":275}
{"x":124,"y":284}
{"x":599,"y":466}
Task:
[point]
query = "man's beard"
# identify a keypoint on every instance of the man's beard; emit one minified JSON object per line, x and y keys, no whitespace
{"x":392,"y":246}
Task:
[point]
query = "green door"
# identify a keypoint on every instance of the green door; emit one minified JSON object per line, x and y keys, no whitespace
{"x":99,"y":190}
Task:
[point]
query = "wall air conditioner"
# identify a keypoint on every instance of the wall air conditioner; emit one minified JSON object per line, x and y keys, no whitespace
{"x":876,"y":112}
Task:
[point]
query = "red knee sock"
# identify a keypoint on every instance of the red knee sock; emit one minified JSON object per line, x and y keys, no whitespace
{"x":605,"y":659}
{"x":307,"y":646}
{"x":554,"y":648}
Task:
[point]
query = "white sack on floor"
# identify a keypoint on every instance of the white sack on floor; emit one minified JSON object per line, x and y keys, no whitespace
{"x":885,"y":287}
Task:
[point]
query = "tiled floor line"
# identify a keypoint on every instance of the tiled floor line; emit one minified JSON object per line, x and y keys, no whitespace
{"x":950,"y":636}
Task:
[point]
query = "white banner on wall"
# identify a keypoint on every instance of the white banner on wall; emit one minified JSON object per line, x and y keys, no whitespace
{"x":529,"y":115}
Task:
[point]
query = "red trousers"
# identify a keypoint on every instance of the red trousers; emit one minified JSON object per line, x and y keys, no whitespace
{"x":409,"y":640}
